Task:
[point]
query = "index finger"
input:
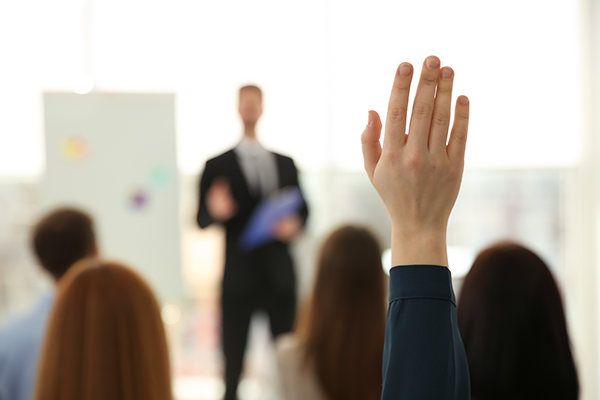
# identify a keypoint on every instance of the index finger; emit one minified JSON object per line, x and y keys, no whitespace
{"x":395,"y":124}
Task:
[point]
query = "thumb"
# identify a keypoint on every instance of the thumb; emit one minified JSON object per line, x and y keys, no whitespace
{"x":371,"y":147}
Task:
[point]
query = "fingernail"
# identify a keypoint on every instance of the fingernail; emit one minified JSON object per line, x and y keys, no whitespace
{"x":463,"y":101}
{"x":370,"y":120}
{"x":447,"y":73}
{"x":405,"y":69}
{"x":432,"y":62}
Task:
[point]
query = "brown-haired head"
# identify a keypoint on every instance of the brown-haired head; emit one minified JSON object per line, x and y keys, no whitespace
{"x":513,"y":326}
{"x":61,"y":238}
{"x":342,"y":328}
{"x":105,"y":338}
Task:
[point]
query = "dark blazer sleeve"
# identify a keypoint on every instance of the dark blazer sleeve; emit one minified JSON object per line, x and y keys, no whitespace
{"x":304,"y":209}
{"x":424,"y":357}
{"x":204,"y":219}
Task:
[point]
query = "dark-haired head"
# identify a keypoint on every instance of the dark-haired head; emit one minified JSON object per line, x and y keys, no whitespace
{"x":63,"y":237}
{"x":513,"y":326}
{"x":342,"y":328}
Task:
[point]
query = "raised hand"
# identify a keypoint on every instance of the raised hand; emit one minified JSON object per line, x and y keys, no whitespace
{"x":418,"y":175}
{"x":219,"y":201}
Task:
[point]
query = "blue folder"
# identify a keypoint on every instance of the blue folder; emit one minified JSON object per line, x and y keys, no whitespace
{"x":280,"y":204}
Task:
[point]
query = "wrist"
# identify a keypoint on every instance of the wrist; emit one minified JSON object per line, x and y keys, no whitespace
{"x":413,"y":246}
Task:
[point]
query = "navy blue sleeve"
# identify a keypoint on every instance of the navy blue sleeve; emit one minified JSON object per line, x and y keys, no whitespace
{"x":423,"y":357}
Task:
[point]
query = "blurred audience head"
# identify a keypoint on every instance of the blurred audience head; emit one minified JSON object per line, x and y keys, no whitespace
{"x":342,"y":328}
{"x":63,"y":237}
{"x":105,"y":338}
{"x":250,"y":106}
{"x":512,"y":323}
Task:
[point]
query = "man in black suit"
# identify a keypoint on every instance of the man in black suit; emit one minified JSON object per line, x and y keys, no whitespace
{"x":232,"y":185}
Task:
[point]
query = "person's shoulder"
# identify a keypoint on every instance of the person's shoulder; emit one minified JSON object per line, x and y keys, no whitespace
{"x":300,"y":377}
{"x":20,"y":343}
{"x":289,"y":355}
{"x":286,"y":340}
{"x":21,"y":333}
{"x":27,"y":328}
{"x":282,"y":156}
{"x":16,"y":324}
{"x":285,"y":160}
{"x":223,"y":158}
{"x":287,"y":346}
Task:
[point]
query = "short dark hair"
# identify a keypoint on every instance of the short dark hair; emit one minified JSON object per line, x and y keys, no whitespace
{"x":513,"y":326}
{"x":251,"y":88}
{"x":61,"y":238}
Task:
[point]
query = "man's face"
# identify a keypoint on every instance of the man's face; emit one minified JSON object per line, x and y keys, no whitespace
{"x":250,"y":106}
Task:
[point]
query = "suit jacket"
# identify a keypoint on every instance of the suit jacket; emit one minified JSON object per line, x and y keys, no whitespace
{"x":268,"y":267}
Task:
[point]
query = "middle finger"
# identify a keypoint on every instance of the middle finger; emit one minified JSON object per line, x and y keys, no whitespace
{"x":440,"y":121}
{"x":420,"y":121}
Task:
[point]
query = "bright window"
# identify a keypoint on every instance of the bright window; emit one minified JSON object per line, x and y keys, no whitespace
{"x":322,"y":66}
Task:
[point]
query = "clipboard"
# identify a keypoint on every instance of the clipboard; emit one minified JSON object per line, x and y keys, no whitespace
{"x":280,"y":204}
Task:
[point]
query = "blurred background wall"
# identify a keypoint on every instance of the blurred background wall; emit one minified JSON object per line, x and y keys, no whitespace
{"x":533,"y":175}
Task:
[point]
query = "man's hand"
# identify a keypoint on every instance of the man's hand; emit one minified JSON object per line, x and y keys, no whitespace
{"x":287,"y":228}
{"x":219,"y":201}
{"x":418,"y":175}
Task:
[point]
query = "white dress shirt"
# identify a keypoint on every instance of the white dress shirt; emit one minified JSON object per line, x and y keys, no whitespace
{"x":258,"y":166}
